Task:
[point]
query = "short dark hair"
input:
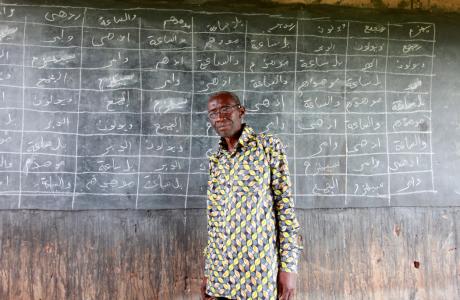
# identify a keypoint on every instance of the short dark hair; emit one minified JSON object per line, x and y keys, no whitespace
{"x":226,"y":93}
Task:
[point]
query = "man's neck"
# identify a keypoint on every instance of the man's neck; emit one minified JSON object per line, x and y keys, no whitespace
{"x":232,"y":141}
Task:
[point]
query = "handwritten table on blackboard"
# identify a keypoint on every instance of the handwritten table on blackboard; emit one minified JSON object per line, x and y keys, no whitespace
{"x":107,"y":108}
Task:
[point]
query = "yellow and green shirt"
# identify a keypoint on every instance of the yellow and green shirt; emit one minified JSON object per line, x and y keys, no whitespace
{"x":252,"y":227}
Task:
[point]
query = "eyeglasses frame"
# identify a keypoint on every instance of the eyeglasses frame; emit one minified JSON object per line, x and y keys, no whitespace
{"x":218,"y":111}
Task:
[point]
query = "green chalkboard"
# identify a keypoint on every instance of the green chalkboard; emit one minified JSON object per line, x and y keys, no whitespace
{"x":105,"y":107}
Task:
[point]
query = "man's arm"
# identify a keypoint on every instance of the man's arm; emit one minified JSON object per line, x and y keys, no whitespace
{"x":206,"y":258}
{"x":206,"y":250}
{"x":287,"y":223}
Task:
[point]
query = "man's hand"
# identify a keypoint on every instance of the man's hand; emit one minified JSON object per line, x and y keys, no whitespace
{"x":204,"y":296}
{"x":286,"y":285}
{"x":203,"y":288}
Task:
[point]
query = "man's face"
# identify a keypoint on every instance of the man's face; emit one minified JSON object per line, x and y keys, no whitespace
{"x":226,"y":124}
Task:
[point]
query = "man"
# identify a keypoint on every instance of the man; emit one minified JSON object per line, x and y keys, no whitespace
{"x":252,"y":248}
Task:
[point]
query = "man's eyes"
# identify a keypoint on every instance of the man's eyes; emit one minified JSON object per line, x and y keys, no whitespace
{"x":223,"y":110}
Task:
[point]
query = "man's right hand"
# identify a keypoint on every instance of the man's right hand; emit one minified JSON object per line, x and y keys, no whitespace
{"x":204,"y":296}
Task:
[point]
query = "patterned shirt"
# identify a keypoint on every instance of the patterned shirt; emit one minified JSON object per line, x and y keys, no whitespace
{"x":252,"y":227}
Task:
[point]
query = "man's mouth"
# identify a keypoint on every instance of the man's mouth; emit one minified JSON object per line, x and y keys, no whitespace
{"x":223,"y":126}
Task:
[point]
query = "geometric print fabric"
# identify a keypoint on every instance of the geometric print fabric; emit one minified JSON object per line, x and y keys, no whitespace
{"x":252,"y":227}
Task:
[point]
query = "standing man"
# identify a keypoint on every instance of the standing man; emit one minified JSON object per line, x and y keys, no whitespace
{"x":252,"y":248}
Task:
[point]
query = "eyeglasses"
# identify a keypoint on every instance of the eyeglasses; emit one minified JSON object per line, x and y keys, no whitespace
{"x":226,"y":110}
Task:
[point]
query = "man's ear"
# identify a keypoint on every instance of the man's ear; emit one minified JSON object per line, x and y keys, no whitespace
{"x":242,"y":111}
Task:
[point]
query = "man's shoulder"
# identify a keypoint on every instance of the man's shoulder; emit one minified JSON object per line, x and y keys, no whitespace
{"x":268,"y":140}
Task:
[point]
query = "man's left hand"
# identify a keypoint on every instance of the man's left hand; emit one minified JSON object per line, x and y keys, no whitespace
{"x":286,"y":285}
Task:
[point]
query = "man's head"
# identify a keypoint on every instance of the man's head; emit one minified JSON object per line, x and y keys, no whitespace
{"x":225,"y":113}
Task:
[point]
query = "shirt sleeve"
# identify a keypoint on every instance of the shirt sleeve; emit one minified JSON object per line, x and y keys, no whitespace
{"x":206,"y":253}
{"x":287,"y":223}
{"x":208,"y":220}
{"x":206,"y":260}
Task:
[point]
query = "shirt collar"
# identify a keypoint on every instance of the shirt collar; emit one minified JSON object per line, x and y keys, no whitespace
{"x":247,"y":135}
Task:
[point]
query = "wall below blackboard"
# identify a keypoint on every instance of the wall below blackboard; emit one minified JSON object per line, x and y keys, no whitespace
{"x":376,"y":253}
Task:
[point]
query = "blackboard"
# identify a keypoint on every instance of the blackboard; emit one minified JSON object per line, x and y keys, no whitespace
{"x":106,"y":108}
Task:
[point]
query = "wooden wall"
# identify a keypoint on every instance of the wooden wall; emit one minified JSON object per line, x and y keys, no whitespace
{"x":377,"y":253}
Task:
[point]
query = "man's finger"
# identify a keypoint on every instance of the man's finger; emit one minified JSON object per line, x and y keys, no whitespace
{"x":288,"y":295}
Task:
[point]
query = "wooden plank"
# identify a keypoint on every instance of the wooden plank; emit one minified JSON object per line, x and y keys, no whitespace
{"x":371,"y":254}
{"x":91,"y":255}
{"x":348,"y":254}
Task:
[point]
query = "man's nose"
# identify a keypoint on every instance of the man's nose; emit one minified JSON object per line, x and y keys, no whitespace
{"x":219,"y":115}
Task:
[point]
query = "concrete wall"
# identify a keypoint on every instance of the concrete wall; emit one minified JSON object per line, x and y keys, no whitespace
{"x":428,"y":5}
{"x":432,"y":5}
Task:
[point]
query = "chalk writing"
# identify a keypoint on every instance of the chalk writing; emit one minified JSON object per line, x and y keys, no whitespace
{"x":97,"y":102}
